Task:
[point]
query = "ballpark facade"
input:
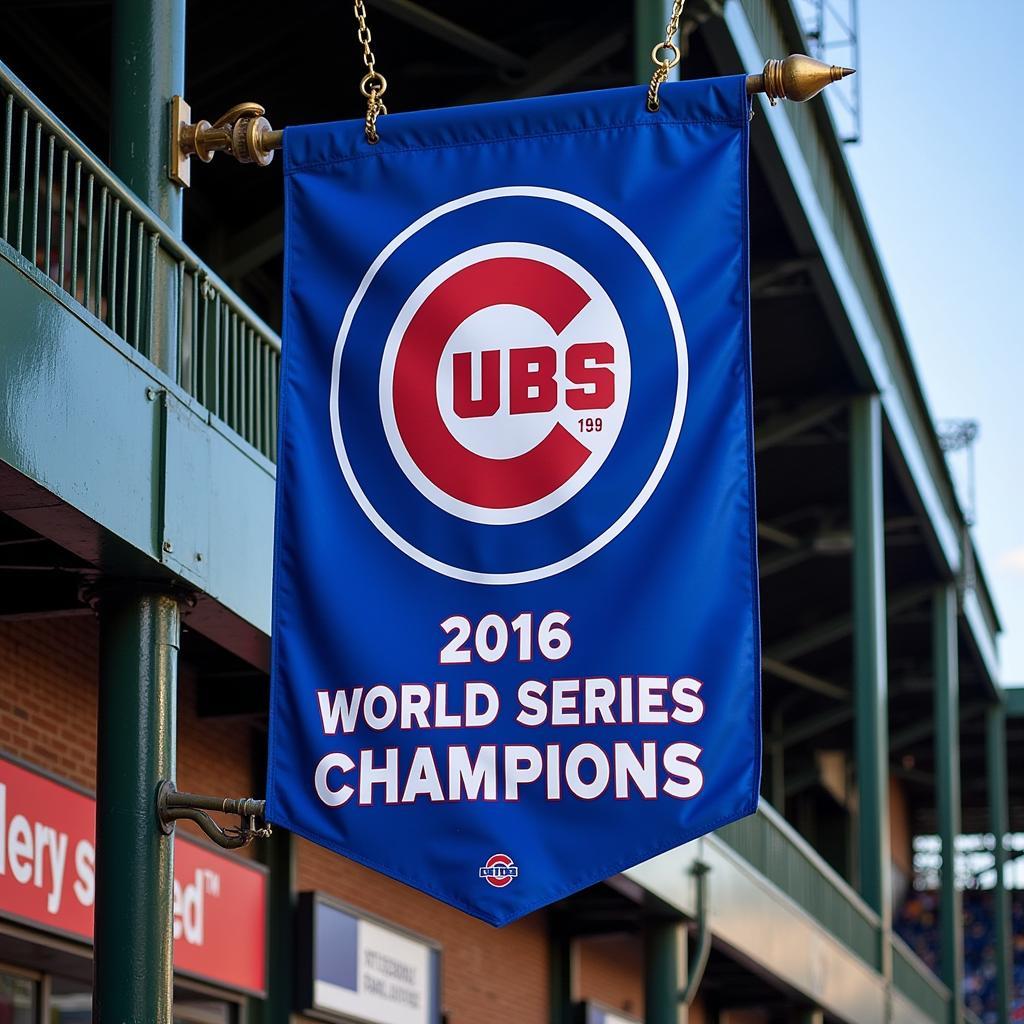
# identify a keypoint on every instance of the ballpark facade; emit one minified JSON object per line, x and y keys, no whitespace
{"x":139,"y":367}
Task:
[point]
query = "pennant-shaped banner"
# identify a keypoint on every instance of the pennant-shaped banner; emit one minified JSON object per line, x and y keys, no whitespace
{"x":515,"y":592}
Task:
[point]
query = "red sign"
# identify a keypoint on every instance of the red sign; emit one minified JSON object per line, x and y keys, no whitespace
{"x":48,"y":878}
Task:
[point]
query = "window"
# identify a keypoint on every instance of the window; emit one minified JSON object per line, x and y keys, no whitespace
{"x":70,"y":1002}
{"x":18,"y":998}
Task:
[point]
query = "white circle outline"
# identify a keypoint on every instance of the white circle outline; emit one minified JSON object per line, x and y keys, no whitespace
{"x":672,"y":437}
{"x":434,"y":494}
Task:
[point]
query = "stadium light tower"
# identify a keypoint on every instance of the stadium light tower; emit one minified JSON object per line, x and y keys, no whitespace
{"x":831,"y":28}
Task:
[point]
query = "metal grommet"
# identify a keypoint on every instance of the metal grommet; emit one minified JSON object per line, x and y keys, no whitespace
{"x":671,"y":63}
{"x":373,"y":83}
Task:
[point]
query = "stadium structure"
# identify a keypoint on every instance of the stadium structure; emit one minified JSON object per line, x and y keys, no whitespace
{"x":139,"y":365}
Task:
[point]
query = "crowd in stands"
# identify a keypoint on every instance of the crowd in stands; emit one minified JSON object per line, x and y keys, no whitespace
{"x":918,"y":925}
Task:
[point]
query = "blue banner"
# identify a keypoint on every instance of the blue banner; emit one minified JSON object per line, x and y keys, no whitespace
{"x":515,"y":630}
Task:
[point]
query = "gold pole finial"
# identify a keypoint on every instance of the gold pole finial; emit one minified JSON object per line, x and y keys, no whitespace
{"x":797,"y":78}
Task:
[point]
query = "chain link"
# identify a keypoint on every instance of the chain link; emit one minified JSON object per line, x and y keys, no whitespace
{"x":373,"y":84}
{"x":664,"y":64}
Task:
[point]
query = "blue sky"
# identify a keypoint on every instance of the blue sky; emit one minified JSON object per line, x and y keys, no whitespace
{"x":939,"y":170}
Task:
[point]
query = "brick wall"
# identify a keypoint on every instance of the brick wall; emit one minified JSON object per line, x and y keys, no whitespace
{"x":610,"y":971}
{"x":48,"y":671}
{"x":489,"y":975}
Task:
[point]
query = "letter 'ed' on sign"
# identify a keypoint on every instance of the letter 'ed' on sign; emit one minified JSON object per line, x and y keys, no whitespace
{"x":515,"y":630}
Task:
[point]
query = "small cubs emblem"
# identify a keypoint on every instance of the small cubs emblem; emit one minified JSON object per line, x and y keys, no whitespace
{"x":499,"y":870}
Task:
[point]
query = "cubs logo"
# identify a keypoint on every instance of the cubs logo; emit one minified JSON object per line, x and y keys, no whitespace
{"x":499,"y":870}
{"x":514,"y":433}
{"x":525,"y":351}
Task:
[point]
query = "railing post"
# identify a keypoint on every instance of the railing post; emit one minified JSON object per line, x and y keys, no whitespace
{"x":132,"y":964}
{"x":995,"y":752}
{"x":946,"y":674}
{"x":870,"y":670}
{"x":664,"y":972}
{"x":148,"y":68}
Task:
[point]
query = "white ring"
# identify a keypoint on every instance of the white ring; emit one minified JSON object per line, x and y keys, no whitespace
{"x":672,"y":437}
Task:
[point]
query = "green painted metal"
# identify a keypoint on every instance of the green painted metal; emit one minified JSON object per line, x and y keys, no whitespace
{"x":77,"y":419}
{"x":139,"y":640}
{"x":278,"y":853}
{"x":649,"y":20}
{"x":945,"y":669}
{"x":917,"y":982}
{"x":664,"y":972}
{"x":127,"y":269}
{"x":812,"y":155}
{"x":771,"y":845}
{"x":147,"y":69}
{"x":869,"y":657}
{"x":130,"y":450}
{"x":560,"y":986}
{"x":1013,"y":701}
{"x":996,"y":765}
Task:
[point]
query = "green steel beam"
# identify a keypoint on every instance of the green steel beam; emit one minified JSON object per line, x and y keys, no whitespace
{"x":178,"y":472}
{"x":945,"y":667}
{"x":148,"y":68}
{"x":560,"y":988}
{"x":811,"y":182}
{"x":278,"y":853}
{"x":664,"y":972}
{"x":140,"y":628}
{"x":996,"y":764}
{"x":649,"y":20}
{"x":139,"y":638}
{"x":869,"y":657}
{"x":1013,"y":699}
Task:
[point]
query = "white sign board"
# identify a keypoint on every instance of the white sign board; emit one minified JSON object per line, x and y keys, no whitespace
{"x":368,"y":972}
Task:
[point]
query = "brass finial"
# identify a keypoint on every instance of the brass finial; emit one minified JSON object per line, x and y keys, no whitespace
{"x":798,"y":78}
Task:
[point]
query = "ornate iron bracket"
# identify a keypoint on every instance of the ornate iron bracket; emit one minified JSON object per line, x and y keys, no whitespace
{"x":171,"y":806}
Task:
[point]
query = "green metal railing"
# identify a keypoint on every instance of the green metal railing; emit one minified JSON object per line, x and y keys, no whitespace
{"x":917,"y":982}
{"x":771,"y":845}
{"x":65,"y":215}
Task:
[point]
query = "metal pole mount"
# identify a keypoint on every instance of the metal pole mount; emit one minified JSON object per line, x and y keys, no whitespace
{"x":245,"y":133}
{"x":172,"y":806}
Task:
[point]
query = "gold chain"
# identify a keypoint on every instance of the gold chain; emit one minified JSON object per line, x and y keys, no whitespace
{"x":662,"y":63}
{"x":374,"y":84}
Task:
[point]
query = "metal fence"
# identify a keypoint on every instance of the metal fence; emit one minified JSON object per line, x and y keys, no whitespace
{"x":64,"y":214}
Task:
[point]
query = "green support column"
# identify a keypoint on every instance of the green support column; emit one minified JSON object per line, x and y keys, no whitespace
{"x":147,"y":69}
{"x":945,"y":668}
{"x":560,"y":982}
{"x":132,"y":968}
{"x":649,"y":20}
{"x":995,"y":730}
{"x":278,"y":853}
{"x":870,"y":672}
{"x":664,"y":973}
